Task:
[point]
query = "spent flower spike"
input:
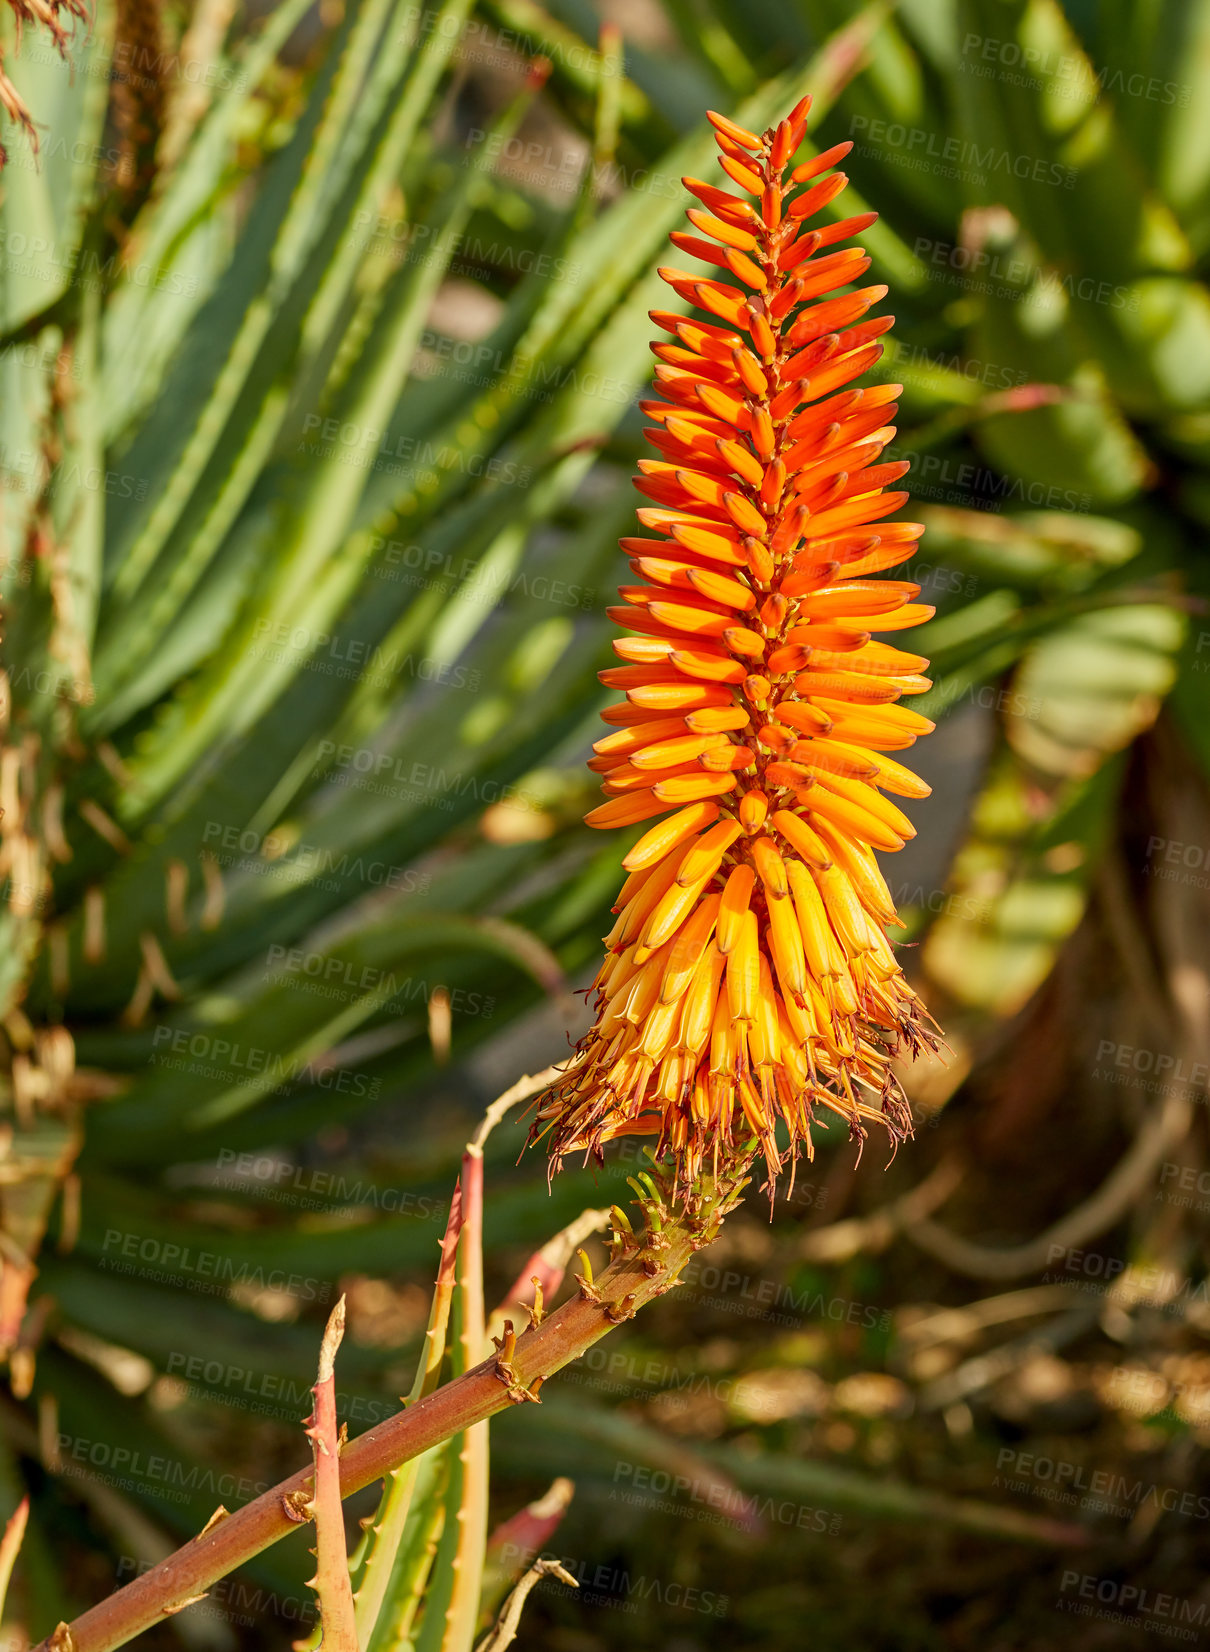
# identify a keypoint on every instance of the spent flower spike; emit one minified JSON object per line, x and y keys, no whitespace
{"x":748,"y":979}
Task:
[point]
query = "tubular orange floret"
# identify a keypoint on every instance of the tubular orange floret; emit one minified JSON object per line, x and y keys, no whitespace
{"x":749,"y":982}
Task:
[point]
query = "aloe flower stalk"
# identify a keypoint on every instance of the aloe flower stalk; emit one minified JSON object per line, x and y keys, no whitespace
{"x":748,"y":980}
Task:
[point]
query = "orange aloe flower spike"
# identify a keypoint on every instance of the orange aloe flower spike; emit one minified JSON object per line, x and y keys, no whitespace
{"x":749,"y":983}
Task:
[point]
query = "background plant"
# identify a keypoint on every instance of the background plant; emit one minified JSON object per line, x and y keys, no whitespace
{"x":245,"y":231}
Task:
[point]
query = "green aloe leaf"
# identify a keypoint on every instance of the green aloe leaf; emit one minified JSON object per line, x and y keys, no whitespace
{"x":424,"y":1526}
{"x":1152,"y":63}
{"x":184,"y":235}
{"x":1116,"y":264}
{"x":757,"y":1478}
{"x":1019,"y":884}
{"x":1093,"y":685}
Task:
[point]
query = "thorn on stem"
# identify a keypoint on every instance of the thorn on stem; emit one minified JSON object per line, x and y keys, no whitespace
{"x":537,"y":1312}
{"x":180,"y":1605}
{"x":588,"y":1291}
{"x":506,"y":1345}
{"x":504,"y":1370}
{"x":623,"y":1233}
{"x":616,"y":1312}
{"x":297,"y":1506}
{"x":219,"y":1514}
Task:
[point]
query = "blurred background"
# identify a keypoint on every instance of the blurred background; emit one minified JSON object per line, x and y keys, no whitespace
{"x":322,"y":331}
